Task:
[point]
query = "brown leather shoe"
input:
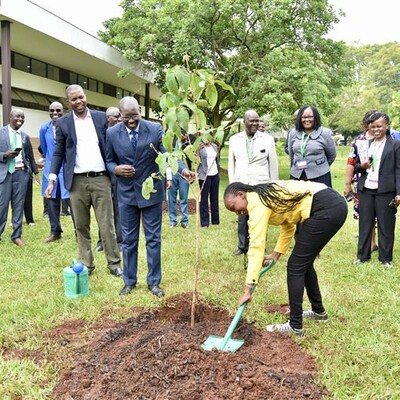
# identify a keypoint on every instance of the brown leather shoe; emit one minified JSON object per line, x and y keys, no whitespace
{"x":19,"y":242}
{"x":52,"y":238}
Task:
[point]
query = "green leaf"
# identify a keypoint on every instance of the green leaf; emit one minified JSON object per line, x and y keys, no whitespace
{"x":202,"y":103}
{"x":211,"y":94}
{"x":201,"y":120}
{"x":183,"y":78}
{"x":167,"y":140}
{"x":173,"y":163}
{"x":219,"y":135}
{"x":183,"y":118}
{"x":162,"y":161}
{"x":170,"y":118}
{"x":224,"y":85}
{"x":171,"y":83}
{"x":148,"y":188}
{"x":191,"y":154}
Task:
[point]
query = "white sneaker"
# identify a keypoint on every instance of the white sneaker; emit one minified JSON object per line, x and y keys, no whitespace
{"x":285,"y":328}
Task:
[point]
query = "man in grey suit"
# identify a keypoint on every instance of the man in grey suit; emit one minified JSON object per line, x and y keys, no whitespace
{"x":81,"y":146}
{"x":16,"y":166}
{"x":132,"y":149}
{"x":252,"y":160}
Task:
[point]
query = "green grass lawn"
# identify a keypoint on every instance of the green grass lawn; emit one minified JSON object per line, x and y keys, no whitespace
{"x":357,"y":350}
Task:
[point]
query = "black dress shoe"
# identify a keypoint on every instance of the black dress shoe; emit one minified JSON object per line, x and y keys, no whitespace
{"x":238,"y":252}
{"x":156,"y":290}
{"x":116,"y":272}
{"x":52,"y":238}
{"x":99,"y":247}
{"x":126,"y":290}
{"x":91,"y":269}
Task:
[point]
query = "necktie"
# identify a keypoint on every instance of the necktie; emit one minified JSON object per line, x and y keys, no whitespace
{"x":11,"y":165}
{"x":133,"y":140}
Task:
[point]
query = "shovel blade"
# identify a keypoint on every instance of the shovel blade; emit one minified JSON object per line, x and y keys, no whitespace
{"x":217,"y":342}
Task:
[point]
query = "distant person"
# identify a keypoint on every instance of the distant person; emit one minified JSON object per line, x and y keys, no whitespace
{"x":80,"y":149}
{"x":252,"y":159}
{"x":378,"y":190}
{"x":322,"y":213}
{"x":113,"y":118}
{"x":47,"y":135}
{"x":208,"y":173}
{"x":132,"y":160}
{"x":261,"y":125}
{"x":16,"y":165}
{"x":352,"y":177}
{"x":180,"y":186}
{"x":311,"y":148}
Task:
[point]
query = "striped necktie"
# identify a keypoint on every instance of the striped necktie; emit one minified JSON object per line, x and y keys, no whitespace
{"x":132,"y":135}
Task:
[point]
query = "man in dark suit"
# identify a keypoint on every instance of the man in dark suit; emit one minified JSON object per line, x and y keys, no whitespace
{"x":80,"y":145}
{"x":132,"y":147}
{"x":16,"y":166}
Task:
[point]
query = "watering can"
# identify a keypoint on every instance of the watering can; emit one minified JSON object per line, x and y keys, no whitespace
{"x":76,"y":280}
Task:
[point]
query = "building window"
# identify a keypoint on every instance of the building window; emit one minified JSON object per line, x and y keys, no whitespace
{"x":83,"y":81}
{"x":53,"y":73}
{"x":38,"y":68}
{"x":109,"y":90}
{"x":73,"y":78}
{"x":92,"y":85}
{"x":22,"y":62}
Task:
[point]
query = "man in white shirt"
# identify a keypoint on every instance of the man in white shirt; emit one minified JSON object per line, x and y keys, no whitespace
{"x":81,"y":145}
{"x":252,"y":160}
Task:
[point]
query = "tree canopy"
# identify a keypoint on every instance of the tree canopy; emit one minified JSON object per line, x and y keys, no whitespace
{"x":376,"y":87}
{"x":274,"y":54}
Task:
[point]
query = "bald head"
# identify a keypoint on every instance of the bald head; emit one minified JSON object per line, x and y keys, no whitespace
{"x":113,"y":116}
{"x":17,"y":118}
{"x":130,"y":112}
{"x":251,"y":120}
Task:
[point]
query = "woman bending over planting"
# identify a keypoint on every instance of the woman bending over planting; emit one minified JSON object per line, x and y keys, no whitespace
{"x":322,"y":212}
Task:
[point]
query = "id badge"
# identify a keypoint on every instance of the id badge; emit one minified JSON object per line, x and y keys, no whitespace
{"x":302,"y":164}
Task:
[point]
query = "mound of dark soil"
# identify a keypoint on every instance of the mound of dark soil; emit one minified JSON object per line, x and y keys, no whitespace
{"x":158,"y":356}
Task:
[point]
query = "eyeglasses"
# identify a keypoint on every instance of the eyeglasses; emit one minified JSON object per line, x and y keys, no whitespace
{"x":128,"y":117}
{"x":307,"y":117}
{"x":55,"y":110}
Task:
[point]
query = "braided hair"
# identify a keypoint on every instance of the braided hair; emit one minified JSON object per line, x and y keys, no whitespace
{"x":270,"y":195}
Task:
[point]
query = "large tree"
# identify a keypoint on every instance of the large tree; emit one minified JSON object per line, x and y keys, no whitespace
{"x":376,"y":86}
{"x":273,"y":53}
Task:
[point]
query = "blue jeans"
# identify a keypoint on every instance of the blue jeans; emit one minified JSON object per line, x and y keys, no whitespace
{"x":181,"y":186}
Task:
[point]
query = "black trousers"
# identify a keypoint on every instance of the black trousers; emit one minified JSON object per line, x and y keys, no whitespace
{"x":243,"y":233}
{"x":28,"y":206}
{"x":328,"y":214}
{"x":210,"y":190}
{"x":375,"y":205}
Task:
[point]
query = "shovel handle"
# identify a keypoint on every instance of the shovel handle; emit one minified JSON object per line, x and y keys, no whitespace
{"x":240,"y":310}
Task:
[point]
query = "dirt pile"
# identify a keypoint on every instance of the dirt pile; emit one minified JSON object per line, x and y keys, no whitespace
{"x":158,"y":356}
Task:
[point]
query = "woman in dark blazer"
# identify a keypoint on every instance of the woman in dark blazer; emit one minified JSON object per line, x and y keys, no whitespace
{"x":208,"y":173}
{"x":379,"y":191}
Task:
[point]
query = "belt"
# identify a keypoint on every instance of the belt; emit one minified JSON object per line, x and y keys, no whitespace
{"x":19,"y":168}
{"x":92,"y":174}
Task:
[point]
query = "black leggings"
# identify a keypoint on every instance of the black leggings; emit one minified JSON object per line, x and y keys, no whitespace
{"x":328,"y":214}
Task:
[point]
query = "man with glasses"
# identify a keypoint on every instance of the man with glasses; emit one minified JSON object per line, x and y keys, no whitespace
{"x":80,"y":148}
{"x":132,"y":149}
{"x":47,"y":137}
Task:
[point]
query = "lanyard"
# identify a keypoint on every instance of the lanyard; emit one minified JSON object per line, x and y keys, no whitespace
{"x":376,"y":154}
{"x":303,"y":144}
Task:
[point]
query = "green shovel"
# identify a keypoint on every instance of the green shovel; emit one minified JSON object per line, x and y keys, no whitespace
{"x":226,"y":343}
